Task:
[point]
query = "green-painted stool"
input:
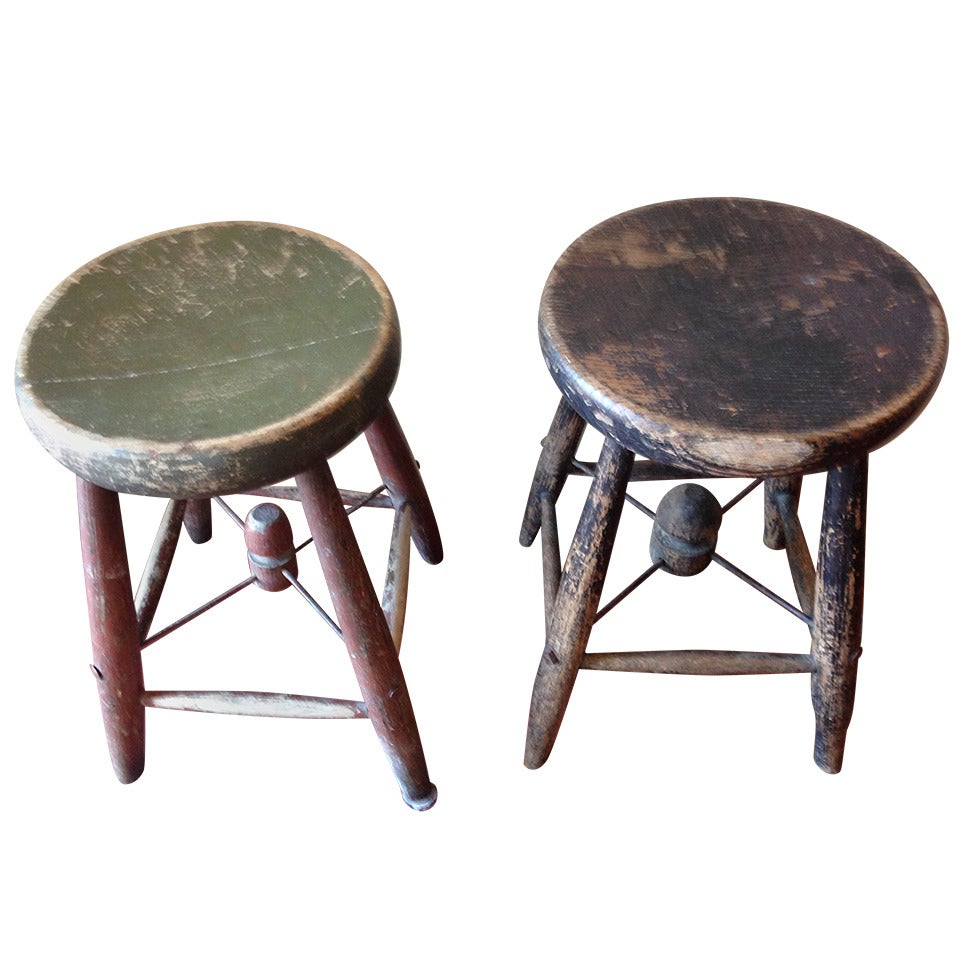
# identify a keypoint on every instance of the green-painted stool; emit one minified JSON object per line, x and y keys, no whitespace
{"x":219,"y":359}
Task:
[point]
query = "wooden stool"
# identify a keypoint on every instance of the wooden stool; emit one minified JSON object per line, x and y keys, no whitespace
{"x":724,"y":338}
{"x":219,"y":359}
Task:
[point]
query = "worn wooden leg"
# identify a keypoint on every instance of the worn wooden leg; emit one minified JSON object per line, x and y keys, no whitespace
{"x":199,"y":520}
{"x":838,"y":609}
{"x":113,"y":627}
{"x":773,"y":535}
{"x":400,"y":473}
{"x":394,"y":597}
{"x":552,"y":568}
{"x":158,"y":564}
{"x":578,"y":596}
{"x":559,"y":448}
{"x":366,"y":635}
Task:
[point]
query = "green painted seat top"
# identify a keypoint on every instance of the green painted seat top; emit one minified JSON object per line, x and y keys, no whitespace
{"x":741,"y":337}
{"x":209,"y":358}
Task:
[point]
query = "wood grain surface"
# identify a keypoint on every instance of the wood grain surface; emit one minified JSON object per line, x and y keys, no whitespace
{"x":741,"y":337}
{"x":208,"y":359}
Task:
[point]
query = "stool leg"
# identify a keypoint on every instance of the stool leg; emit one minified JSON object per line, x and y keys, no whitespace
{"x":838,"y":609}
{"x":773,"y":535}
{"x":199,"y":521}
{"x":578,"y":596}
{"x":401,"y":475}
{"x":113,"y":627}
{"x":366,"y":635}
{"x":559,"y":448}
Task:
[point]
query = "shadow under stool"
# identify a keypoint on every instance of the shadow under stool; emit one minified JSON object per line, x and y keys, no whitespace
{"x":724,"y":338}
{"x":219,"y":359}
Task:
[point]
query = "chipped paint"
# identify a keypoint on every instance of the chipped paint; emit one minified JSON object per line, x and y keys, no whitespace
{"x":741,"y":337}
{"x":208,"y":359}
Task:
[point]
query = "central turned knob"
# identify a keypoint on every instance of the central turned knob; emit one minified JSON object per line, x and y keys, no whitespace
{"x":270,"y":551}
{"x":685,"y":530}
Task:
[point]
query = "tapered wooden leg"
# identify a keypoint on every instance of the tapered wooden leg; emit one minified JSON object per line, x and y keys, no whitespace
{"x":559,"y":448}
{"x":838,"y":609}
{"x":199,"y":520}
{"x":158,"y":564}
{"x":113,"y":627}
{"x":773,"y":535}
{"x":366,"y":635}
{"x":401,"y":475}
{"x":578,"y":596}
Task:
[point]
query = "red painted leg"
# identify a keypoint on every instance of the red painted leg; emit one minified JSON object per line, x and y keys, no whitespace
{"x":366,"y":635}
{"x":401,"y":475}
{"x":113,"y":627}
{"x":199,"y":520}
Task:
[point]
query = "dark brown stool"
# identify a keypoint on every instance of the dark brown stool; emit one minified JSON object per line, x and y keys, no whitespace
{"x":724,"y":338}
{"x":219,"y":359}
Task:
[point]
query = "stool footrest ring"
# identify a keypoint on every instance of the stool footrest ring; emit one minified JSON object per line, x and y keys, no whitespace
{"x":711,"y":663}
{"x":350,"y":498}
{"x":640,"y":471}
{"x":248,"y":703}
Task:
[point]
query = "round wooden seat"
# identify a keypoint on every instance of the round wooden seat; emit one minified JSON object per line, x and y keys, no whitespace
{"x":741,"y":337}
{"x":209,"y":359}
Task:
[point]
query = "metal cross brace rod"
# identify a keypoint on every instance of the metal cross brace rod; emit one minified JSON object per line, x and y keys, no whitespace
{"x":587,"y":469}
{"x":353,"y":502}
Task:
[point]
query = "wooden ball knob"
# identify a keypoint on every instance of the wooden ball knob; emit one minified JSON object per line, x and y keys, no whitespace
{"x":270,"y":551}
{"x":685,"y":529}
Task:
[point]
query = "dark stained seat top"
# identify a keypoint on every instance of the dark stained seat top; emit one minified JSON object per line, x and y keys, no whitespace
{"x":741,"y":337}
{"x":208,"y":359}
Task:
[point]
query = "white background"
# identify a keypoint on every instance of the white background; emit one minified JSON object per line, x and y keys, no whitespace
{"x":460,"y":149}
